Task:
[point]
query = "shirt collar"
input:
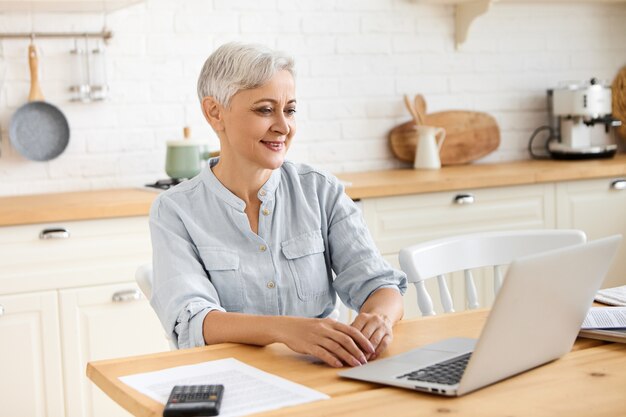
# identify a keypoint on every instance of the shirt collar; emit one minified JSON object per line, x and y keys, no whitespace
{"x":226,"y":195}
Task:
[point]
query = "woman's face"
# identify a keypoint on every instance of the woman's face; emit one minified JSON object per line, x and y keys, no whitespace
{"x":260,"y":123}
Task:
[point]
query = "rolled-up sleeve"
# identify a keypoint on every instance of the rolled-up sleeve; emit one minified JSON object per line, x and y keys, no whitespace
{"x":360,"y":269}
{"x":182,"y":294}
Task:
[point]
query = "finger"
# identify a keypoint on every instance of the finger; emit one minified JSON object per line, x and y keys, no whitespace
{"x":337,"y":350}
{"x":359,"y":322}
{"x":371,"y":328}
{"x":356,"y":336}
{"x":326,"y":356}
{"x":382,"y":346}
{"x":378,"y":336}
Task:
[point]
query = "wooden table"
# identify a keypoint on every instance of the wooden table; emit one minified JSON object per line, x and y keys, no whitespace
{"x":589,"y":381}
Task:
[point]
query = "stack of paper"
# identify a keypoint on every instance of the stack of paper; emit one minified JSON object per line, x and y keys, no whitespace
{"x":612,"y":296}
{"x":605,"y":318}
{"x":246,"y":389}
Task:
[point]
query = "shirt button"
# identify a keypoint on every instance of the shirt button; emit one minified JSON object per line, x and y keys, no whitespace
{"x":266,"y":212}
{"x":271,"y":284}
{"x":262,"y":192}
{"x":262,"y":248}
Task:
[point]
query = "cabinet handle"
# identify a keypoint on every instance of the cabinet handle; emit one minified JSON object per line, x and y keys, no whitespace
{"x":54,"y":233}
{"x":1,"y":310}
{"x":619,"y":184}
{"x":462,"y":199}
{"x":126,"y":296}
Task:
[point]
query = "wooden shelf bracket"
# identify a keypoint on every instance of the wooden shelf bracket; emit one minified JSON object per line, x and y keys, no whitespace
{"x":465,"y":15}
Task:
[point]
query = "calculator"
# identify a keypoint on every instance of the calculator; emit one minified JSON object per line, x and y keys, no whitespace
{"x":194,"y":400}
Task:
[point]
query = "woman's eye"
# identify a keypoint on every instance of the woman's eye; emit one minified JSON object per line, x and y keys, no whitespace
{"x":264,"y":110}
{"x":290,"y":112}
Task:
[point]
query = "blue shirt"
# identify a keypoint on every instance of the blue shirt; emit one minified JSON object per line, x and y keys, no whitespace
{"x":206,"y":257}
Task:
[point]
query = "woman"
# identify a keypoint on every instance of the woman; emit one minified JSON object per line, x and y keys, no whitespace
{"x":245,"y":251}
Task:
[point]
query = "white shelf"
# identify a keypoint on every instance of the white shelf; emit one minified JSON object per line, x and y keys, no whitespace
{"x":467,"y":11}
{"x":78,"y":6}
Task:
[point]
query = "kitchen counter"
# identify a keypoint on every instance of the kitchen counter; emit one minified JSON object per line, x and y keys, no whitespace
{"x":459,"y":177}
{"x":45,"y":208}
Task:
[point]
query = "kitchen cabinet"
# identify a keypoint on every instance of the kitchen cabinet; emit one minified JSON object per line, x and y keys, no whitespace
{"x":599,"y":208}
{"x":30,"y":356}
{"x":103,"y":322}
{"x":64,"y":5}
{"x":68,"y":294}
{"x":400,"y":221}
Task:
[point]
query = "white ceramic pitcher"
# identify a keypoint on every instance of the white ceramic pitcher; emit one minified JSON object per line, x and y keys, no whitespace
{"x":429,"y":141}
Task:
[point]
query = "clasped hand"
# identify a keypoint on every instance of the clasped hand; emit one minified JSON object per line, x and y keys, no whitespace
{"x":337,"y":343}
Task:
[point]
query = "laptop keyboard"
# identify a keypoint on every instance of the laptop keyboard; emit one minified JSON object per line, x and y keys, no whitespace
{"x":447,"y":373}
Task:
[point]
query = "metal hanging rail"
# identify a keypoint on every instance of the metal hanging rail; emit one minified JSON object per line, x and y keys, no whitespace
{"x":104,"y":34}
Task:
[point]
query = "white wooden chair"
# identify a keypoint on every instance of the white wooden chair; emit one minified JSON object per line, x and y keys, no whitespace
{"x":437,"y":258}
{"x":143,"y":277}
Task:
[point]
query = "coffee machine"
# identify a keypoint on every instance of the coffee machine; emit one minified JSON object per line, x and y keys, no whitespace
{"x":581,"y":123}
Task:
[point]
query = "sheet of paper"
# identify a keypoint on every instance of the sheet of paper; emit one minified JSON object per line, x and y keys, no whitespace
{"x":605,"y":318}
{"x":246,"y":389}
{"x":615,"y":296}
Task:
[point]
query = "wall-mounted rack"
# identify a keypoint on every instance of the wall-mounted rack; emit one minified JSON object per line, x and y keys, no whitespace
{"x":104,"y":35}
{"x":69,"y":6}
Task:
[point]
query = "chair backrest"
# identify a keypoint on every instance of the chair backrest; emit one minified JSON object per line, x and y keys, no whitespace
{"x":439,"y":257}
{"x":143,"y":277}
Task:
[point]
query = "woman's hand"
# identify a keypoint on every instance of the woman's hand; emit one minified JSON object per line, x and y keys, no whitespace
{"x":377,"y":328}
{"x":333,"y":342}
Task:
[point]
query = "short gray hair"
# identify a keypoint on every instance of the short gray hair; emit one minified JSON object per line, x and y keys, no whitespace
{"x":238,"y":66}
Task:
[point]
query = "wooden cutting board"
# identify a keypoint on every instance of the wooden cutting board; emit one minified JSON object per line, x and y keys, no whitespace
{"x":470,"y":135}
{"x":618,"y":91}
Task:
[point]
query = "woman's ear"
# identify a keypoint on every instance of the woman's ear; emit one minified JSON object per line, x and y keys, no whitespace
{"x":212,"y":111}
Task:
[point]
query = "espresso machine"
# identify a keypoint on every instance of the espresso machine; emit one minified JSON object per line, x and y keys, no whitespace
{"x":581,"y":123}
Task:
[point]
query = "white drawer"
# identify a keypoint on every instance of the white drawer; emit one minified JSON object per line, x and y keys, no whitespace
{"x":397,"y":222}
{"x":96,"y":251}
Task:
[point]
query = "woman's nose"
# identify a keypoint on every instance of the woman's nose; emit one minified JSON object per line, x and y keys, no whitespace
{"x":281,"y":125}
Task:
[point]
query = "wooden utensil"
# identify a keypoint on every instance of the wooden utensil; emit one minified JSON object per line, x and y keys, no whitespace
{"x":470,"y":135}
{"x":416,"y":116}
{"x":420,"y":106}
{"x":618,"y":91}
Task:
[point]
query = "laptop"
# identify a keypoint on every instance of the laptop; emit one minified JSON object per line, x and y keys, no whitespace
{"x":535,"y":319}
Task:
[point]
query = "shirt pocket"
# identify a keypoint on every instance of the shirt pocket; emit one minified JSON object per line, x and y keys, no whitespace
{"x":305,"y":256}
{"x":222,"y":266}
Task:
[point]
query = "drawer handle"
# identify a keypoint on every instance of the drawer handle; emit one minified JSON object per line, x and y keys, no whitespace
{"x":619,"y":184}
{"x":54,"y":233}
{"x":462,"y":199}
{"x":126,"y":296}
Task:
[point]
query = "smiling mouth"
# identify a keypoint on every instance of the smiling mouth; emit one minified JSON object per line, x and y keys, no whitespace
{"x":274,"y":146}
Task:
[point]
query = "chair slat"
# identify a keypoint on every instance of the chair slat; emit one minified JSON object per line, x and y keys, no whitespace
{"x":424,"y":302}
{"x":497,"y":278}
{"x":444,"y":294}
{"x":470,"y":290}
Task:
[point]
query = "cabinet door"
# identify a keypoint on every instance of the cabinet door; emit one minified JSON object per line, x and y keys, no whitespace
{"x":103,"y":322}
{"x":398,"y":222}
{"x":598,"y":207}
{"x":31,"y":381}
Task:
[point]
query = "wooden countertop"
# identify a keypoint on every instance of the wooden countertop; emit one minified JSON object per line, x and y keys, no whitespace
{"x":410,"y":181}
{"x":80,"y":205}
{"x":44,"y":208}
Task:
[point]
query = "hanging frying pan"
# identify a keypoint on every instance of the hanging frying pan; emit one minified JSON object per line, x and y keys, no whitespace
{"x":38,"y":130}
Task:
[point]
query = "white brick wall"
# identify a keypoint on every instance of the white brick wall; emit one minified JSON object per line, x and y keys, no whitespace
{"x":355,"y":59}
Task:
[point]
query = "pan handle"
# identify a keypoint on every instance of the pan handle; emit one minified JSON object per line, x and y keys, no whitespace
{"x":33,"y":63}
